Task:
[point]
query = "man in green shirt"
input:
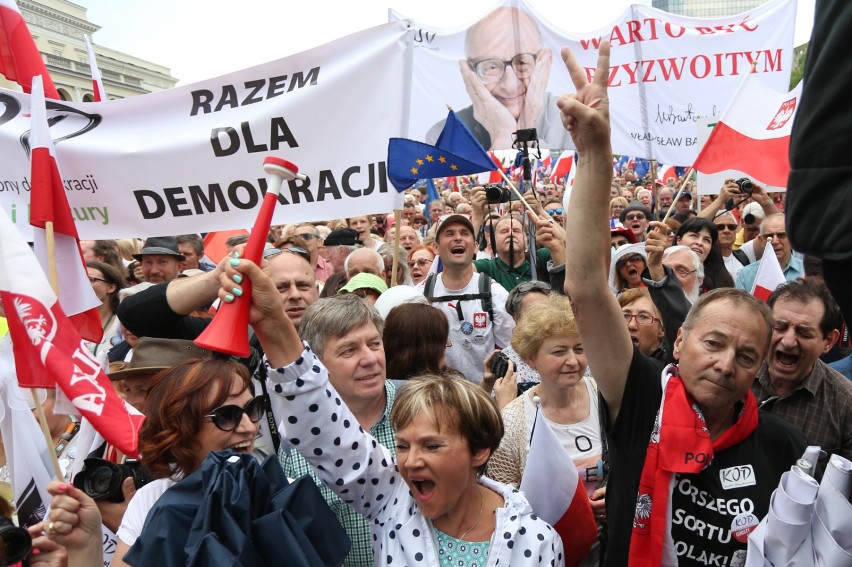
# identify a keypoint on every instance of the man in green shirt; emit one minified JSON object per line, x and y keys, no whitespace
{"x":511,"y":265}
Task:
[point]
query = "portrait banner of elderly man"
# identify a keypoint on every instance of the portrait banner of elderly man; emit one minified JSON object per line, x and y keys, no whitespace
{"x":501,"y":72}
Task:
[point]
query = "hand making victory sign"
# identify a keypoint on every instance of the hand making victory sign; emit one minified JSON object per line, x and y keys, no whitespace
{"x":585,"y":114}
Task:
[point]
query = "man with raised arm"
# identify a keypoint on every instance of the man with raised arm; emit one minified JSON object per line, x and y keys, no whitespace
{"x":687,"y":449}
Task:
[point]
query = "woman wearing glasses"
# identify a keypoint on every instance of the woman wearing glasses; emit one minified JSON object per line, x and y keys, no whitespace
{"x":419,"y":261}
{"x":192,"y":408}
{"x":106,"y":282}
{"x":547,"y":338}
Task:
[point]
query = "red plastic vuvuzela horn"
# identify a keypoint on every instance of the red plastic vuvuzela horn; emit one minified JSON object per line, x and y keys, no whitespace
{"x":228,"y":332}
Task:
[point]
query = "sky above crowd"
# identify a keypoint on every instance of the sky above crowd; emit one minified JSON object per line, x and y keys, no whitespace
{"x":201,"y":39}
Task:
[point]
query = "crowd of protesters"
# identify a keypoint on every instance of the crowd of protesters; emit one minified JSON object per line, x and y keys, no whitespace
{"x":379,"y":344}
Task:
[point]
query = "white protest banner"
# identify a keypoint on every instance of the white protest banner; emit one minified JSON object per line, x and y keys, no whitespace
{"x":190,"y":159}
{"x":666,"y":72}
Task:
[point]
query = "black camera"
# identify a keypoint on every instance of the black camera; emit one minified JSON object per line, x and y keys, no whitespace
{"x":524,"y":386}
{"x":499,"y":364}
{"x":745,"y":185}
{"x":495,"y":194}
{"x":102,"y":479}
{"x":16,"y":542}
{"x":526,"y":135}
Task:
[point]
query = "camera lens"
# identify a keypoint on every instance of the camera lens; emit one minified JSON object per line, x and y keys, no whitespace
{"x":495,"y":194}
{"x":98,"y":482}
{"x":16,"y":542}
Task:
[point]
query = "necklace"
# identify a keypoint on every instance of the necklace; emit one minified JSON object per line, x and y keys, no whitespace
{"x":481,"y":507}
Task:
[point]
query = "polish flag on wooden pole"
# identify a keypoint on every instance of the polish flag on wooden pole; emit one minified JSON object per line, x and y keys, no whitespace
{"x":752,"y":138}
{"x":97,"y":82}
{"x":556,"y":492}
{"x":55,"y":237}
{"x":20,"y":59}
{"x":48,"y":349}
{"x":769,"y":274}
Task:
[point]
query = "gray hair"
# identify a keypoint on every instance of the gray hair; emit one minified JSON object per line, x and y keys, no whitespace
{"x":696,"y":261}
{"x":334,"y":317}
{"x":377,"y":258}
{"x":741,"y":298}
{"x":771,"y":217}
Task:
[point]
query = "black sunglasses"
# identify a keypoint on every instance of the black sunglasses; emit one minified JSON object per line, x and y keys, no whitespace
{"x":228,"y":418}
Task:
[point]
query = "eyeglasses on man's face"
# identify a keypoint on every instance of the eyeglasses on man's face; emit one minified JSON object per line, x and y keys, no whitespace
{"x":491,"y":71}
{"x":552,"y":212}
{"x":732,"y":227}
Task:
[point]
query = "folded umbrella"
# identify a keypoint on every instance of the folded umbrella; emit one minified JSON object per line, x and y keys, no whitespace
{"x":234,"y":511}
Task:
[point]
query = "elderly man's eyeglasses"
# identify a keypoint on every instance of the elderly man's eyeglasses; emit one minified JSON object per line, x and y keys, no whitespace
{"x":491,"y":71}
{"x":775,"y":235}
{"x":272,"y":252}
{"x":731,"y":227}
{"x":641,"y":318}
{"x":683,"y":272}
{"x":227,"y":418}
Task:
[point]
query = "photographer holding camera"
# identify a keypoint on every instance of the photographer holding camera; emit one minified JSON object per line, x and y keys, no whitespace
{"x":733,"y":195}
{"x":511,"y":266}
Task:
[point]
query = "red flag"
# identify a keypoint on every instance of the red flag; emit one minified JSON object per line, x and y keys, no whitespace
{"x":769,"y":274}
{"x":557,"y":494}
{"x":563,"y":166}
{"x":753,"y":135}
{"x":48,"y":350}
{"x":48,"y":203}
{"x":97,"y":82}
{"x":20,"y":60}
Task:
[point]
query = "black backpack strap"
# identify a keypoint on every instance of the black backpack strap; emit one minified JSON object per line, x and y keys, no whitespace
{"x":429,"y":287}
{"x":485,"y":293}
{"x":742,"y":257}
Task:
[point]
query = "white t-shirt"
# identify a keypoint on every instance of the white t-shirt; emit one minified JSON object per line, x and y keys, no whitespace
{"x":140,"y":505}
{"x":470,"y":348}
{"x":581,"y":440}
{"x":733,"y":265}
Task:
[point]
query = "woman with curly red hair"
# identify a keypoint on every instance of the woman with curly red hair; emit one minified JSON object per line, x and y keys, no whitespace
{"x":193,"y":408}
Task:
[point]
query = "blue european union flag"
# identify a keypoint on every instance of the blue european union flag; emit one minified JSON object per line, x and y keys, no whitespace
{"x":456,"y":152}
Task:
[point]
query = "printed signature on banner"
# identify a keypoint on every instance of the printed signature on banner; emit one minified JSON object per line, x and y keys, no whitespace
{"x":80,"y":214}
{"x":668,"y":114}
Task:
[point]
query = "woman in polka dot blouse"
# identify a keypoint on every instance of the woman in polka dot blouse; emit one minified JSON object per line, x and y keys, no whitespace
{"x":432,"y":506}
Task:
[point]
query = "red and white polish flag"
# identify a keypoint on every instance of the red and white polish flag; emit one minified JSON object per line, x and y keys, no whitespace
{"x":20,"y":60}
{"x":49,"y":203}
{"x":49,"y":351}
{"x":664,"y":172}
{"x":97,"y":82}
{"x":769,"y":274}
{"x":557,"y":494}
{"x":752,"y":138}
{"x":563,"y":166}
